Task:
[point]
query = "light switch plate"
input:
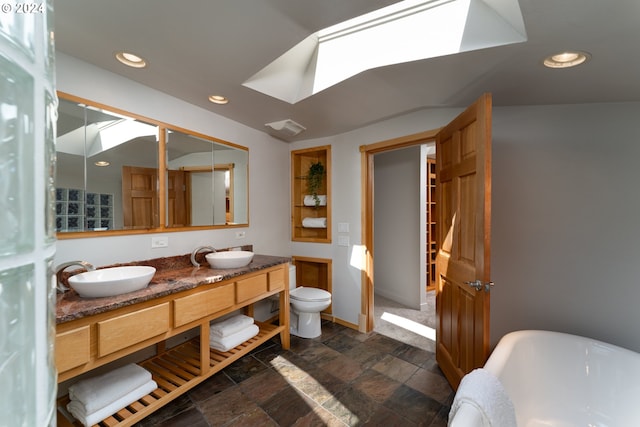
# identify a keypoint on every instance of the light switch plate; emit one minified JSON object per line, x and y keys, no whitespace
{"x":343,"y":240}
{"x":343,"y":227}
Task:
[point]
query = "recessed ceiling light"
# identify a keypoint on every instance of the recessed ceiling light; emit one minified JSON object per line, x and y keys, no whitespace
{"x":566,"y":59}
{"x":131,"y":59}
{"x":102,"y":163}
{"x":218,"y":99}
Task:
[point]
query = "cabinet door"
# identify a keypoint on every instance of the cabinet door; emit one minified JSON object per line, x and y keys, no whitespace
{"x":196,"y":306}
{"x":250,"y":288}
{"x":72,"y":348}
{"x":277,"y":280}
{"x":132,"y":328}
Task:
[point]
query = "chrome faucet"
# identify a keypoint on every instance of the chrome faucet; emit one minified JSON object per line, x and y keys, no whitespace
{"x":193,"y":254}
{"x":59,"y":269}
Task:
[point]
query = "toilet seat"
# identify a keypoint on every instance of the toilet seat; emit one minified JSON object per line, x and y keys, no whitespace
{"x":307,"y":294}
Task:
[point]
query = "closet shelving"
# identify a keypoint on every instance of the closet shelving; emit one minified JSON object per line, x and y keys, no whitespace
{"x":431,"y":224}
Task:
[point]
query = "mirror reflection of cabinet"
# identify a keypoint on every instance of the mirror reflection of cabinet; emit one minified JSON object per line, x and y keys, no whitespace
{"x":120,"y":172}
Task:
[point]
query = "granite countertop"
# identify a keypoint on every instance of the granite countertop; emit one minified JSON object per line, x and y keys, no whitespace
{"x":173,"y":274}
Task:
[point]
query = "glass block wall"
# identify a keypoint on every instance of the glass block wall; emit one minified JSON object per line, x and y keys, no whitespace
{"x":28,"y":112}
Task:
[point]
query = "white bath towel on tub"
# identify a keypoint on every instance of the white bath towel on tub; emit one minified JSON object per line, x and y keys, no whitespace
{"x":484,"y":392}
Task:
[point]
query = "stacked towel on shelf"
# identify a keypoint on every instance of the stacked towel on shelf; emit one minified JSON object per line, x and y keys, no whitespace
{"x":309,"y":200}
{"x":314,"y":222}
{"x":484,"y":392}
{"x":231,"y":325}
{"x":94,"y":399}
{"x":231,"y":332}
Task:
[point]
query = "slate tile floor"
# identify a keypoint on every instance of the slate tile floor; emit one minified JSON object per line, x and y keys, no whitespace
{"x":343,"y":378}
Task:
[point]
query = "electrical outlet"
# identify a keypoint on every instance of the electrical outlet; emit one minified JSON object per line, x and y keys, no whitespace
{"x":240,"y":234}
{"x":159,"y":242}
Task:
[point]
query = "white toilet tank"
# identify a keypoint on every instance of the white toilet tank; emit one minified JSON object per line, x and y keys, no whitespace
{"x":292,"y":276}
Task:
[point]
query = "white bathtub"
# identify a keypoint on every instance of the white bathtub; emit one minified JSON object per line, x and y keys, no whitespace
{"x":562,"y":380}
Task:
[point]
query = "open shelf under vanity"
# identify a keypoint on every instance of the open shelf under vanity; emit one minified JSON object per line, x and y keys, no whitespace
{"x":176,"y":371}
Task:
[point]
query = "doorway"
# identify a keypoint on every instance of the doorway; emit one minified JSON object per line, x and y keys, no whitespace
{"x":463,"y":235}
{"x":403,"y":309}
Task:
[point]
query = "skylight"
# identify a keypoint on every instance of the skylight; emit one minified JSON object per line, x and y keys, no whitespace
{"x":96,"y":138}
{"x":407,"y":31}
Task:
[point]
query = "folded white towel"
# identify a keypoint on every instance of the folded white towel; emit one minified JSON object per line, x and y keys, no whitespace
{"x":78,"y":410}
{"x":99,"y":391}
{"x":314,"y":222}
{"x":309,"y":200}
{"x":483,"y":391}
{"x":228,"y":342}
{"x":230,"y":326}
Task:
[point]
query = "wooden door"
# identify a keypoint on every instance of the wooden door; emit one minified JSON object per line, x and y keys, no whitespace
{"x":178,"y":213}
{"x":139,"y":197}
{"x":463,"y":203}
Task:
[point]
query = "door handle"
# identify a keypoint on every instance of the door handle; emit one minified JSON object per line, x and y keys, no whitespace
{"x":478,"y":285}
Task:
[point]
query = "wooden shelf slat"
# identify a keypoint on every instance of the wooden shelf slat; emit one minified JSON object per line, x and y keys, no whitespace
{"x":175,"y":376}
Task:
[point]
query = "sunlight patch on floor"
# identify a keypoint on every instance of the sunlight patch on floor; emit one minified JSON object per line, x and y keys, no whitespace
{"x":293,"y":374}
{"x":410,"y":325}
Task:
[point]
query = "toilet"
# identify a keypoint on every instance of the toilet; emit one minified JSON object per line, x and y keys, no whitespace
{"x":306,"y":304}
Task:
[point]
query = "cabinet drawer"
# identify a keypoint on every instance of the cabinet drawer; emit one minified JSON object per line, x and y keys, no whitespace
{"x":197,"y":306}
{"x":72,"y":348}
{"x":276,"y":280}
{"x":129,"y":329}
{"x":251,"y":287}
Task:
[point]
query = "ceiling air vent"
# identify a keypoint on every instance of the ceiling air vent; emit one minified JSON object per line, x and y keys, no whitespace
{"x":285,"y":128}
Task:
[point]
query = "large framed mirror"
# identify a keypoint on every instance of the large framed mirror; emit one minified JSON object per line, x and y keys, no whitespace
{"x":206,"y":181}
{"x":119,"y":173}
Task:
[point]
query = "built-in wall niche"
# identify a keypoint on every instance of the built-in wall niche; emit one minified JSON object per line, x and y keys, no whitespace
{"x":311,"y":213}
{"x":155,"y":176}
{"x":314,"y":273}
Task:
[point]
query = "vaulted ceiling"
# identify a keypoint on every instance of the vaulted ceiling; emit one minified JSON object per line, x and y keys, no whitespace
{"x":197,"y":48}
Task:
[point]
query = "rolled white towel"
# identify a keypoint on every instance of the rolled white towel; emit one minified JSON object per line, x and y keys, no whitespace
{"x":314,"y":222}
{"x":230,"y":326}
{"x":78,"y":410}
{"x":228,"y":342}
{"x":309,"y":200}
{"x":97,"y":392}
{"x":484,"y":392}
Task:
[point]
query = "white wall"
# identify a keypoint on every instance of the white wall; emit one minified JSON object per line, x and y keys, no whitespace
{"x":566,"y":220}
{"x":268,"y":170}
{"x":399,"y":261}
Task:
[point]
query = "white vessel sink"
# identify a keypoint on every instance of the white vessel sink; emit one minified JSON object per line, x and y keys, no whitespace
{"x":108,"y":282}
{"x":229,"y":259}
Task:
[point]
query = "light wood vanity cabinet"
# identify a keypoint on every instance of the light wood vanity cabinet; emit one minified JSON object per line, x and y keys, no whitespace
{"x":89,"y":342}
